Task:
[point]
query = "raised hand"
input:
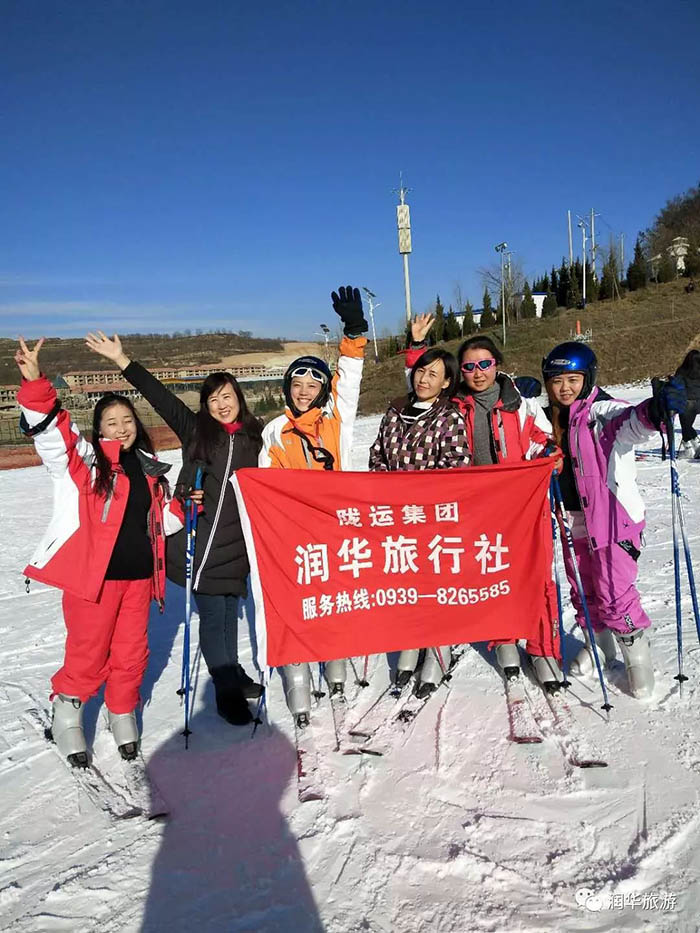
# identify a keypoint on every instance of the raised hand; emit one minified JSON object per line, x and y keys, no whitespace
{"x":110,"y":349}
{"x":347,"y":304}
{"x":668,"y":399}
{"x":421,"y":325}
{"x":28,"y":360}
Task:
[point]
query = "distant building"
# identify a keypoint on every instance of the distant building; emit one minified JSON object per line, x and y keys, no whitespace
{"x":8,"y":398}
{"x":476,"y":315}
{"x":537,"y":297}
{"x":171,"y":374}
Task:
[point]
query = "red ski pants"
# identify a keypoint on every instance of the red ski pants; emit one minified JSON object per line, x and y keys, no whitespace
{"x":106,"y":642}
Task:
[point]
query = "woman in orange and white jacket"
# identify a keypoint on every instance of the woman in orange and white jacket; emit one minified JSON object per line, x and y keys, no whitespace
{"x":315,"y":433}
{"x":104,"y":548}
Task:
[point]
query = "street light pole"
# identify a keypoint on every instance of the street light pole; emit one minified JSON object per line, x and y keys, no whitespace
{"x":501,"y":248}
{"x":325,"y":333}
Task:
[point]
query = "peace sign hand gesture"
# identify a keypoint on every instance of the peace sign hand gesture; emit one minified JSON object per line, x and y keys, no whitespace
{"x":28,"y":360}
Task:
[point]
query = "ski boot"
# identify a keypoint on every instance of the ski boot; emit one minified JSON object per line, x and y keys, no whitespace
{"x":435,"y":666}
{"x":637,"y":658}
{"x":67,"y":729}
{"x":405,"y":667}
{"x":252,"y":690}
{"x":126,"y":733}
{"x":548,"y":673}
{"x":508,"y":658}
{"x":690,"y":450}
{"x":231,"y":703}
{"x":297,"y":691}
{"x":584,"y":662}
{"x":336,"y":674}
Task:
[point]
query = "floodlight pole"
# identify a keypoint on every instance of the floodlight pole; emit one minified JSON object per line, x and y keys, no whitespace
{"x":501,"y":248}
{"x":372,"y":305}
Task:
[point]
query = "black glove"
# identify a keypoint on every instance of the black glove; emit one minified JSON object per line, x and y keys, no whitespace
{"x":668,"y":399}
{"x":348,"y":306}
{"x":528,"y":386}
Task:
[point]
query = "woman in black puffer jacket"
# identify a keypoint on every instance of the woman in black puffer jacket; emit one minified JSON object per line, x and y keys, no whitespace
{"x":689,"y":372}
{"x":223,"y":436}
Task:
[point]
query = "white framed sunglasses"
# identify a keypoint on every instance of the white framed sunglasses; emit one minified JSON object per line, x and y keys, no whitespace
{"x":302,"y":371}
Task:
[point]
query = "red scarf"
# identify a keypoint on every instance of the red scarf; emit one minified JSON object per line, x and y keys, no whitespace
{"x":232,"y":426}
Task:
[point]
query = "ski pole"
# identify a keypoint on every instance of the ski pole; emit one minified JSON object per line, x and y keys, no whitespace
{"x":680,"y":676}
{"x":678,"y":521}
{"x":557,"y":580}
{"x":191,"y":515}
{"x":607,"y":706}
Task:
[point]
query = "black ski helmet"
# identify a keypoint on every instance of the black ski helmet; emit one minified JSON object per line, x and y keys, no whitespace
{"x":572,"y":357}
{"x":318,"y":370}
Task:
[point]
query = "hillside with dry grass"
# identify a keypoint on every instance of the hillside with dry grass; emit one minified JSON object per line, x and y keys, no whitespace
{"x":645,"y":334}
{"x":61,"y":355}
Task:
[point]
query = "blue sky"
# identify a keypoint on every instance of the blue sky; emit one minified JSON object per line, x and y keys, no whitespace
{"x":178,"y":164}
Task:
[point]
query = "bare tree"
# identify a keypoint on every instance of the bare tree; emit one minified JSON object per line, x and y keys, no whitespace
{"x":514,"y":283}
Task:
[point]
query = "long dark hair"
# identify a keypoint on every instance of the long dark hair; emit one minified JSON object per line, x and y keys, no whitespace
{"x":208,"y":431}
{"x":451,"y":368}
{"x":103,"y":480}
{"x":690,"y":367}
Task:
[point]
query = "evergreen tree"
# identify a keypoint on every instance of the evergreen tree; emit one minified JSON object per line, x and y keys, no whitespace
{"x":637,"y":269}
{"x":544,"y":284}
{"x":591,"y":286}
{"x":488,"y":318}
{"x":438,"y":328}
{"x":451,"y":326}
{"x":573,"y":292}
{"x":528,"y":309}
{"x":549,"y":308}
{"x":563,"y":285}
{"x":554,"y":282}
{"x":692,"y":261}
{"x":667,"y":269}
{"x":607,"y":282}
{"x":468,"y":325}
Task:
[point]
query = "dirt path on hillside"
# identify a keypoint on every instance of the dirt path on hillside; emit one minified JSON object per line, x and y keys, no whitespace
{"x":280,"y":358}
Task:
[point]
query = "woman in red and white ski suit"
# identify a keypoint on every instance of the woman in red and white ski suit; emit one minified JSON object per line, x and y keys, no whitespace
{"x":503,"y":427}
{"x":104,"y":548}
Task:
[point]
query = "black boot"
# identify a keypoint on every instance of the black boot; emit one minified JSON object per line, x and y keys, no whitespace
{"x":231,"y":703}
{"x":252,"y":690}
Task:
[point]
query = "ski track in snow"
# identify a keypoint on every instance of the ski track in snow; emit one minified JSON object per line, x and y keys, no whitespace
{"x":455,"y":830}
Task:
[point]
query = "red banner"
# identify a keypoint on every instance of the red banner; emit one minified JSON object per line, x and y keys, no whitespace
{"x":348,"y":564}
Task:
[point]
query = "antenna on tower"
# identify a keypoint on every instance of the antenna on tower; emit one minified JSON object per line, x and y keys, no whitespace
{"x":403,"y":222}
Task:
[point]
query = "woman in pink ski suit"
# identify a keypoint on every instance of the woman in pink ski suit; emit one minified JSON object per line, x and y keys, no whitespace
{"x":597,"y":435}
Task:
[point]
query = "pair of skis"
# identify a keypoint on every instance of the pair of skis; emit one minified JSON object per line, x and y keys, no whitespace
{"x":310,"y":783}
{"x":129,"y":795}
{"x":532,"y":721}
{"x":378,"y":730}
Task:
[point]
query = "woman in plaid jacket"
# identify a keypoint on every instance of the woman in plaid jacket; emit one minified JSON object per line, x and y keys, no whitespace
{"x":423,"y":431}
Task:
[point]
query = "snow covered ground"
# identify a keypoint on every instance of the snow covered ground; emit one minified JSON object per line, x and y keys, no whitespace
{"x":457,"y":830}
